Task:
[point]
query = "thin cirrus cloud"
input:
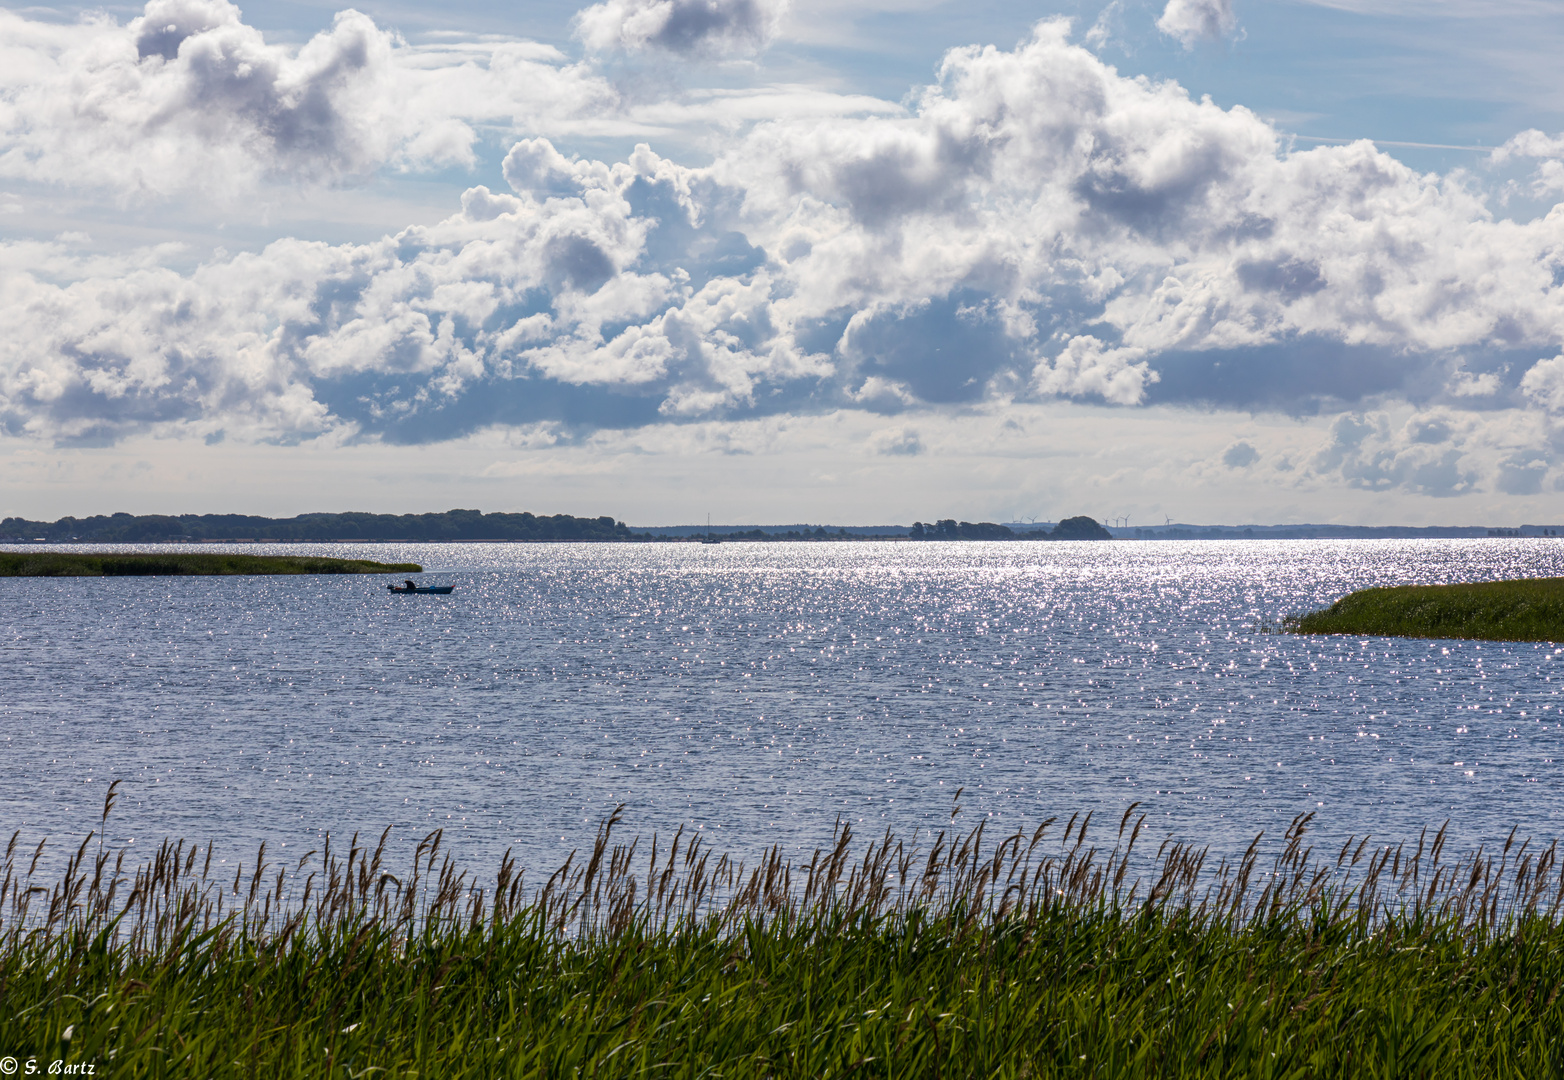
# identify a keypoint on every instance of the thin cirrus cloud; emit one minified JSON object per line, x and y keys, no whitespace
{"x":1034,"y":226}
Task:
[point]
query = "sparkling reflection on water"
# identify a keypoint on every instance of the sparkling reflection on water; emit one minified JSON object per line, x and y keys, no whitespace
{"x":757,"y":692}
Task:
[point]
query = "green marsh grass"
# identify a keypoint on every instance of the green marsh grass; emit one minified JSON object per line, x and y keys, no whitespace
{"x":1530,"y":609}
{"x":46,"y":563}
{"x":1035,"y":954}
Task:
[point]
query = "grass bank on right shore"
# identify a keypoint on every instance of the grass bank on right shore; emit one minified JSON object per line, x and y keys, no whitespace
{"x":182,"y":564}
{"x":1034,"y":956}
{"x":1528,"y":609}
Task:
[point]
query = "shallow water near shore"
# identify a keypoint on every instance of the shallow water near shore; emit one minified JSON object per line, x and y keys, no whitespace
{"x":755,"y":693}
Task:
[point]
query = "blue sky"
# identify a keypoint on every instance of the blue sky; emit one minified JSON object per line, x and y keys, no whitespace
{"x":776,"y":261}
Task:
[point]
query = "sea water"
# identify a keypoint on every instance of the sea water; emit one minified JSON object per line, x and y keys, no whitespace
{"x":759,"y":694}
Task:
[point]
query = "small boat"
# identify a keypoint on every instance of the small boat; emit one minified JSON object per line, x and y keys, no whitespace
{"x":434,"y":590}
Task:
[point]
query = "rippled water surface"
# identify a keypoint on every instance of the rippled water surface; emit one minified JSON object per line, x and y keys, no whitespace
{"x":756,"y":692}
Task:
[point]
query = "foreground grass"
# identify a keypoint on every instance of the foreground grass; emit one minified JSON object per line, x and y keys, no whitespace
{"x":200,"y":564}
{"x":1526,"y":610}
{"x":970,"y":962}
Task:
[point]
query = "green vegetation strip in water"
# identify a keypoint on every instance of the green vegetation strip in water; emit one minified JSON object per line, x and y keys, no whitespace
{"x":199,"y":564}
{"x":1032,"y":957}
{"x":1529,"y":609}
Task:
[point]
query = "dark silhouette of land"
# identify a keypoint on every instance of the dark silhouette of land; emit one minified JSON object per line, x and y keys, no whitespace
{"x":453,"y":525}
{"x":476,"y":526}
{"x":1074,"y":528}
{"x":47,"y":563}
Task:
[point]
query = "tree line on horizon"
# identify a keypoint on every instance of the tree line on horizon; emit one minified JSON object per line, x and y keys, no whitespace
{"x":460,"y":525}
{"x":1072,"y":528}
{"x":452,"y":525}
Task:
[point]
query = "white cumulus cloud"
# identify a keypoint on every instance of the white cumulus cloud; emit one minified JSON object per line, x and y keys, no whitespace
{"x":1548,"y":176}
{"x":1084,"y":366}
{"x":1192,"y":21}
{"x":896,"y":441}
{"x":189,"y":98}
{"x":1543,"y":383}
{"x":705,"y":28}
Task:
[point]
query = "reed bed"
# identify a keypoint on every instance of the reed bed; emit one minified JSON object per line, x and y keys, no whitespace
{"x":1525,"y":609}
{"x":1038,"y":953}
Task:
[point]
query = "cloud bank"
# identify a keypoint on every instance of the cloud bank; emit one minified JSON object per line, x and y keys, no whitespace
{"x":1036,"y":226}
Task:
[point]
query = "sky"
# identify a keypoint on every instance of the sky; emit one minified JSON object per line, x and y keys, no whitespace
{"x":772,"y":261}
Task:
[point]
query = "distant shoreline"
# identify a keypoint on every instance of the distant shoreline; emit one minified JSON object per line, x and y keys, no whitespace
{"x":47,"y":563}
{"x":474,"y":527}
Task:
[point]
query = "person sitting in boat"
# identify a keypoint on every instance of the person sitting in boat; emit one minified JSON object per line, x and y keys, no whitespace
{"x":409,"y":583}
